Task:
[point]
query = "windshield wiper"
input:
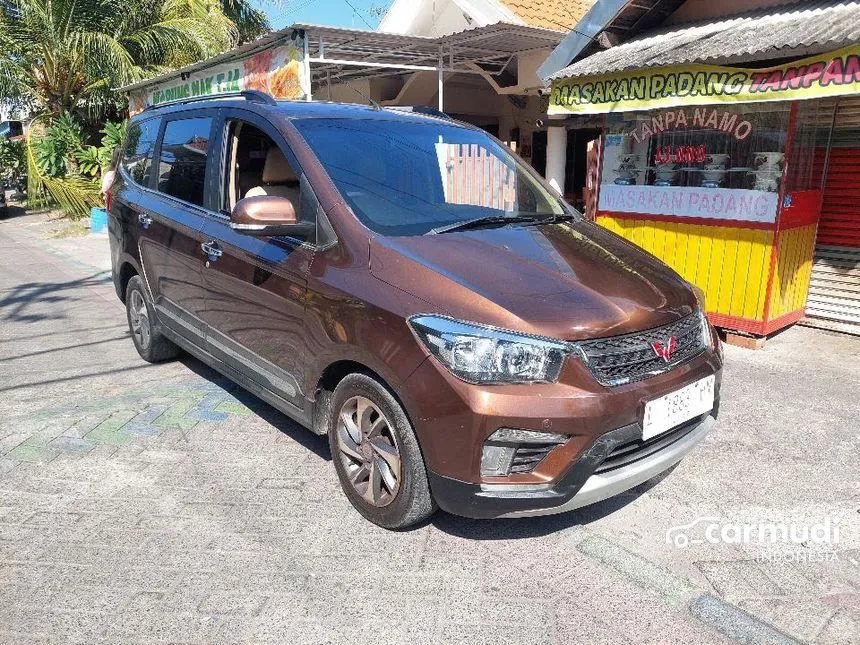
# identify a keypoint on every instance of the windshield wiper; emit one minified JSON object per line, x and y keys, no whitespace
{"x":478,"y":222}
{"x":552,"y":219}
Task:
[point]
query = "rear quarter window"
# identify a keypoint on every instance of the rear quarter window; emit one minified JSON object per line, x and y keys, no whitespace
{"x":138,"y":150}
{"x":183,"y":158}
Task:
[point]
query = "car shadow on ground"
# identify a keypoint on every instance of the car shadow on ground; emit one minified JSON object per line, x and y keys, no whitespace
{"x":304,"y":437}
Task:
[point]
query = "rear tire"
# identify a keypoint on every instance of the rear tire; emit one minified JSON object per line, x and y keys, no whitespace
{"x":149,"y":342}
{"x":376,"y":454}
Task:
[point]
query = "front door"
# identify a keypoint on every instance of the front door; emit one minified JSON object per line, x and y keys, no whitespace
{"x":256,"y":286}
{"x":172,"y":228}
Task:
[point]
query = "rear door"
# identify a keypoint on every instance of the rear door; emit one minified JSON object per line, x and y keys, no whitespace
{"x":172,"y":224}
{"x":255,"y":286}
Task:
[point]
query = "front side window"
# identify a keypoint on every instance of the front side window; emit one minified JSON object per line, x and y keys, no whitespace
{"x":138,"y":149}
{"x":404,"y":178}
{"x":182,"y":163}
{"x":257,"y":166}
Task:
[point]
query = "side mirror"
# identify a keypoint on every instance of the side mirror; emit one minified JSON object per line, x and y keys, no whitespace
{"x":268,"y":215}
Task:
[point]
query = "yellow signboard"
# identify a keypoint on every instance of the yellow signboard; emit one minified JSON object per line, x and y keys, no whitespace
{"x":833,"y":74}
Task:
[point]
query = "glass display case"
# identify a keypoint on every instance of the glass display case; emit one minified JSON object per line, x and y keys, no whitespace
{"x":728,"y":197}
{"x":696,"y":162}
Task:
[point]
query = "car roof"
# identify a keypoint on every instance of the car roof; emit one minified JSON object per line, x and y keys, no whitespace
{"x":296,"y":110}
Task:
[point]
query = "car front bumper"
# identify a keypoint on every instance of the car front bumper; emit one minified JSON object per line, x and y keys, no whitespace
{"x":587,"y":481}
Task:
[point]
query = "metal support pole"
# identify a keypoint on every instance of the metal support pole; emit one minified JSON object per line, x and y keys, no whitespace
{"x":328,"y":83}
{"x":307,"y":66}
{"x":441,"y":78}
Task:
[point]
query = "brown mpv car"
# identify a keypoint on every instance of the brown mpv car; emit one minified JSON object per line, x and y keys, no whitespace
{"x":406,"y":285}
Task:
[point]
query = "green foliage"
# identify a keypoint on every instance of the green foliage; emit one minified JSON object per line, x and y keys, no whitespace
{"x":56,"y":151}
{"x":74,"y":196}
{"x":51,"y":157}
{"x":69,"y":55}
{"x":63,"y":59}
{"x":54,"y":175}
{"x":92,"y":161}
{"x":114,"y":133}
{"x":12,"y":160}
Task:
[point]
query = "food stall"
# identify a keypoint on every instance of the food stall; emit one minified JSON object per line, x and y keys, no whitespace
{"x":718,"y":172}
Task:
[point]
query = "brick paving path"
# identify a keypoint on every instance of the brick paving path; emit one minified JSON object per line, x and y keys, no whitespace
{"x":143,"y":504}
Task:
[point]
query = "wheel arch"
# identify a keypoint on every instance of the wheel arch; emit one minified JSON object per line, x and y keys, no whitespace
{"x":329,"y":379}
{"x":127,"y":271}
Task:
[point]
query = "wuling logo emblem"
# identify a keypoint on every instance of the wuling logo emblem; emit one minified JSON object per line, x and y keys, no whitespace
{"x":666,"y":350}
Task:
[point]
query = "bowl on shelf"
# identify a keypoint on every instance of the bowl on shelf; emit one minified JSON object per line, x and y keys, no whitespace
{"x":713,"y":173}
{"x":665,"y":173}
{"x":626,"y":175}
{"x":768,"y":160}
{"x":713,"y":159}
{"x":766,"y":180}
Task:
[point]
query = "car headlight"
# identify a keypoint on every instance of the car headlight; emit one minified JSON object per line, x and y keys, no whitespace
{"x":704,"y":325}
{"x":707,"y":337}
{"x":481,"y":354}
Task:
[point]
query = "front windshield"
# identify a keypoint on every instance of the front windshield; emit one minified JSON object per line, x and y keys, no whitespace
{"x":404,"y":178}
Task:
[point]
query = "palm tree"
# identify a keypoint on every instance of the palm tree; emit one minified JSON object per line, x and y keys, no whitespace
{"x":250,"y":21}
{"x":67,"y":55}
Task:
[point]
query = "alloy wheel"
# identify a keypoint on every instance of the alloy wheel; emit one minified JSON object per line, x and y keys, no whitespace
{"x":369,"y":451}
{"x":139,"y":316}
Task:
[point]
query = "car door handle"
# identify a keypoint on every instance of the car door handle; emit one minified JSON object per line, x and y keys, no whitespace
{"x":211,"y":249}
{"x":144,"y":219}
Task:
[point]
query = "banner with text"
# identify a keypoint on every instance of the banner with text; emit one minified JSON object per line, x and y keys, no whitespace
{"x":688,"y":201}
{"x":278,"y":71}
{"x":833,"y":74}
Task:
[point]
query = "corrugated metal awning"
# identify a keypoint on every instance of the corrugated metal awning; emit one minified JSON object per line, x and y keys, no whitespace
{"x":798,"y":29}
{"x":490,"y":47}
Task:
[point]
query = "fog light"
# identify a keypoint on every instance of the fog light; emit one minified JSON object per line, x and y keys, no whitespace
{"x":509,"y":450}
{"x":496,"y":460}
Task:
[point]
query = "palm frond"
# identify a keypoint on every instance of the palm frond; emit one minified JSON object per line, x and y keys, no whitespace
{"x":74,"y":196}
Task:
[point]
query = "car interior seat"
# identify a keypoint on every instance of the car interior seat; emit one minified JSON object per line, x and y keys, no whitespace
{"x":278,"y":178}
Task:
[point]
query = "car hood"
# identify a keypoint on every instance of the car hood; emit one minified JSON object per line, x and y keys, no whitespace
{"x":569,"y":280}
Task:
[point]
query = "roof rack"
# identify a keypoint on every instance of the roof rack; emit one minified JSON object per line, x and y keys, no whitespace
{"x":255,"y":96}
{"x":420,"y":109}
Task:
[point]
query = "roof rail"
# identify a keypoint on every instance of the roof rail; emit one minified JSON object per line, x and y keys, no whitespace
{"x":420,"y":109}
{"x":255,"y":96}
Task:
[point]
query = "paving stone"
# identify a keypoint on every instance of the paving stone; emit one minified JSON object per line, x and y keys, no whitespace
{"x":179,"y":509}
{"x":36,"y":454}
{"x":6,"y":465}
{"x":71,"y":444}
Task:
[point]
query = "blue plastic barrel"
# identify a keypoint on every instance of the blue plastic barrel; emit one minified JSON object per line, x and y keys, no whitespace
{"x":98,"y":220}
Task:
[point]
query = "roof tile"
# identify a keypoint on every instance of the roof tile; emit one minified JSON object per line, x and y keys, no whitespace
{"x":560,"y":15}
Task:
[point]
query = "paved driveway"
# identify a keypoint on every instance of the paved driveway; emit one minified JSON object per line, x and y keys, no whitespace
{"x":143,"y":504}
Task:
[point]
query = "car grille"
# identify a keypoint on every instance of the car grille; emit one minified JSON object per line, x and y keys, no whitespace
{"x":623,"y":359}
{"x":633,"y":451}
{"x":528,"y":456}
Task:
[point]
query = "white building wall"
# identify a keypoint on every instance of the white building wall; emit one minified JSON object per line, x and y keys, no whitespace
{"x":441,"y":17}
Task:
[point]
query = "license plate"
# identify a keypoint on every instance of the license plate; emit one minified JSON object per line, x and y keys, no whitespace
{"x":681,"y":405}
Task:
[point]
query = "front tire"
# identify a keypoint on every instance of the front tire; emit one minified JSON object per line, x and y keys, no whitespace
{"x":149,"y":342}
{"x":376,"y":454}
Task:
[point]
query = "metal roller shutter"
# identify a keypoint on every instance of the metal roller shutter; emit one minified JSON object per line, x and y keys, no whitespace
{"x":834,"y":291}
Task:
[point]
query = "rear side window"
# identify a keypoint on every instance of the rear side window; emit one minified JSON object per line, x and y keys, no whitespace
{"x":182,"y":164}
{"x":138,"y":150}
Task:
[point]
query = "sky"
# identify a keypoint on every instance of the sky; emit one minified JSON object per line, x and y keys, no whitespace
{"x":323,"y":12}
